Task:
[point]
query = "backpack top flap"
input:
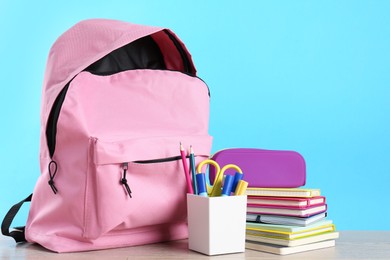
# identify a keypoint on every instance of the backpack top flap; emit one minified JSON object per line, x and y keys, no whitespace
{"x":90,"y":40}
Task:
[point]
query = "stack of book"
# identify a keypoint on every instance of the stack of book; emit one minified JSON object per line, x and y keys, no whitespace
{"x":285,"y":221}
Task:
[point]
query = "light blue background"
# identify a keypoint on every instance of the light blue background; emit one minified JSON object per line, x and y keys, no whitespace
{"x":309,"y":76}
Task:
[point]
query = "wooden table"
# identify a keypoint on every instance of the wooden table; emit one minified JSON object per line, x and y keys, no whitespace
{"x":350,"y":245}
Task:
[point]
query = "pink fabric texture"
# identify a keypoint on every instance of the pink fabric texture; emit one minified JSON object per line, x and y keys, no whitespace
{"x":129,"y":117}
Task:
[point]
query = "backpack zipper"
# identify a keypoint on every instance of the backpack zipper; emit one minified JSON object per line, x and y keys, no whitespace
{"x":123,"y":181}
{"x":51,"y":127}
{"x":161,"y":160}
{"x":125,"y":167}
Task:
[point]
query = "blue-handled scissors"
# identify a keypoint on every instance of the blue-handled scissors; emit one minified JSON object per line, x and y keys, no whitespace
{"x":216,"y":189}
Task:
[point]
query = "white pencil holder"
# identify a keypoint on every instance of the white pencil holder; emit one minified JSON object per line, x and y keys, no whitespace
{"x":216,"y":225}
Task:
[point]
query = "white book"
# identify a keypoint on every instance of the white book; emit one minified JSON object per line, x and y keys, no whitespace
{"x":294,"y":242}
{"x":285,"y":220}
{"x":286,"y":250}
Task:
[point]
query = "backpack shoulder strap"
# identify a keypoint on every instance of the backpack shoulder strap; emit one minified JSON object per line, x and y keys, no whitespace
{"x":18,"y":232}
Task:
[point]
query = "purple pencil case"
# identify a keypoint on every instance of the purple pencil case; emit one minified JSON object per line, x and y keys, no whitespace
{"x":264,"y":168}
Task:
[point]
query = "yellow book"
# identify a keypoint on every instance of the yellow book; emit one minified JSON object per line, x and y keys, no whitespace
{"x":283,"y":192}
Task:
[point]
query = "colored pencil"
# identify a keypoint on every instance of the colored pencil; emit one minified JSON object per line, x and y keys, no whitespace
{"x":186,"y":173}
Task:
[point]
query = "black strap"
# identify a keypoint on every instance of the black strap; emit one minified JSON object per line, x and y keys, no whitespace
{"x":18,"y":232}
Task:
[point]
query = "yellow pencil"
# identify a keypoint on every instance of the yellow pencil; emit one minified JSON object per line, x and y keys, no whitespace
{"x":241,"y":188}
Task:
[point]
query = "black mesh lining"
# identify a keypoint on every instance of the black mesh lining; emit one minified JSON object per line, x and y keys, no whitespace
{"x":143,"y":53}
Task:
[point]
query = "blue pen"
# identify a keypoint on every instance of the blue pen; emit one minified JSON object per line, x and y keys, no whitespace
{"x":237,"y":177}
{"x":227,"y":186}
{"x":201,"y":183}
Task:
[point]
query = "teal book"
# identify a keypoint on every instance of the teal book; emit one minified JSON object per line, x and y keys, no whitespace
{"x":285,"y":228}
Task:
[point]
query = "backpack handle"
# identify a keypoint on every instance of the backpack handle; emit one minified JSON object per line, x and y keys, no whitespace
{"x":18,"y":232}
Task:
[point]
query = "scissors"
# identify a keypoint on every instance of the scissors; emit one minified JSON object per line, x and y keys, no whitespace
{"x":216,"y":189}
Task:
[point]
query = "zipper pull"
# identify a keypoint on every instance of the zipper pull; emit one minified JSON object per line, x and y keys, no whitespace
{"x":52,"y":166}
{"x":124,"y":180}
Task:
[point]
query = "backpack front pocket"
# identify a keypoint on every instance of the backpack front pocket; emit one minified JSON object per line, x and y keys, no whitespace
{"x":131,"y":185}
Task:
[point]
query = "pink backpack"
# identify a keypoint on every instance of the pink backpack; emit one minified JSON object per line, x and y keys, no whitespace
{"x":118,"y":99}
